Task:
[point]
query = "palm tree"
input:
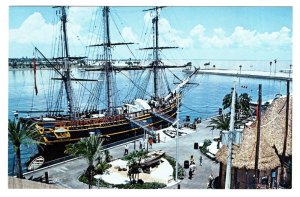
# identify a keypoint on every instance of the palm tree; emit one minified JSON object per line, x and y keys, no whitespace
{"x":89,"y":148}
{"x":22,"y":133}
{"x":134,"y":161}
{"x":221,"y":122}
{"x":227,"y":100}
{"x":244,"y":104}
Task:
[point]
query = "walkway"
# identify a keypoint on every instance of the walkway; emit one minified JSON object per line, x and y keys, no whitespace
{"x":245,"y":74}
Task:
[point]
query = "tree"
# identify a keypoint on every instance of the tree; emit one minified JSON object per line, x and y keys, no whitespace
{"x":244,"y":104}
{"x":221,"y":122}
{"x":227,"y":100}
{"x":134,"y":162}
{"x":89,"y":148}
{"x":22,"y":133}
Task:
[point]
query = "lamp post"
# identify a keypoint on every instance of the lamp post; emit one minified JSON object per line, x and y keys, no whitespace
{"x":230,"y":136}
{"x":270,"y":67}
{"x":177,"y":143}
{"x":240,"y":69}
{"x":275,"y":61}
{"x":98,"y":177}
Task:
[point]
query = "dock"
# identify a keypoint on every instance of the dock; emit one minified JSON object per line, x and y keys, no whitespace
{"x":245,"y":74}
{"x":66,"y":174}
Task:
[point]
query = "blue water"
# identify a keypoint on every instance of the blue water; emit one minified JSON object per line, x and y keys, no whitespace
{"x":200,"y":100}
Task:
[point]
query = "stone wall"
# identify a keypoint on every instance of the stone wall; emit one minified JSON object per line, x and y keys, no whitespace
{"x":15,"y":183}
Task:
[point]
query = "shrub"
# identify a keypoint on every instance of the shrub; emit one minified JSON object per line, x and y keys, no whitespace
{"x":206,"y":143}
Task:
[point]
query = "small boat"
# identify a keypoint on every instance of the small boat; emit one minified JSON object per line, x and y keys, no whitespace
{"x":36,"y":163}
{"x":152,"y":158}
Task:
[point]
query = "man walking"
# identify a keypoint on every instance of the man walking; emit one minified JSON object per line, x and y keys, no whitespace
{"x":126,"y":150}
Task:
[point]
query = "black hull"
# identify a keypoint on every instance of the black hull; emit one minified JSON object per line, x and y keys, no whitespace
{"x":117,"y":134}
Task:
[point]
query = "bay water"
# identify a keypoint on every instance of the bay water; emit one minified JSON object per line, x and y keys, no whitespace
{"x":201,"y":99}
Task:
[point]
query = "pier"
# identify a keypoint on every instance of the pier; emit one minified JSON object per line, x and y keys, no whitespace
{"x":245,"y":74}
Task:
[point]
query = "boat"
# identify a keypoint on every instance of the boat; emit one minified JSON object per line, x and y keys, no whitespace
{"x":35,"y":163}
{"x":152,"y":158}
{"x":59,"y":127}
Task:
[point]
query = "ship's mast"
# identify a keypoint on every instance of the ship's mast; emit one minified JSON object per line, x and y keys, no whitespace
{"x":67,"y":77}
{"x":107,"y":56}
{"x":155,"y":52}
{"x":156,"y":61}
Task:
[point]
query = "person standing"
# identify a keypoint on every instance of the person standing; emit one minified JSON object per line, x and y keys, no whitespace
{"x":192,"y":160}
{"x":190,"y":173}
{"x":126,"y":150}
{"x":150,"y":142}
{"x":141,"y":145}
{"x":200,"y":160}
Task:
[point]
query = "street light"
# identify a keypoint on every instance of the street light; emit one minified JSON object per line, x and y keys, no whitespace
{"x":98,"y":177}
{"x":240,"y":69}
{"x":270,"y":67}
{"x":177,"y":128}
{"x":230,"y":136}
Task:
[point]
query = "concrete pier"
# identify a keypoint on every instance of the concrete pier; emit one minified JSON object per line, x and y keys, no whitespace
{"x":245,"y":74}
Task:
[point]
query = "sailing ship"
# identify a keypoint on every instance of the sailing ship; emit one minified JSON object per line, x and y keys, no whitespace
{"x":113,"y":123}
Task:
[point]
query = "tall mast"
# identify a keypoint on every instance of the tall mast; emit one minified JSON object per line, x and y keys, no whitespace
{"x":107,"y":56}
{"x":156,"y":62}
{"x":67,"y":77}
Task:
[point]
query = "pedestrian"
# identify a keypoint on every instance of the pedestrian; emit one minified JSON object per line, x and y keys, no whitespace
{"x":126,"y":150}
{"x":254,"y":182}
{"x":192,"y":160}
{"x":210,"y":180}
{"x":193,"y":167}
{"x":141,"y":145}
{"x":150,"y":142}
{"x":190,"y":174}
{"x":200,"y":160}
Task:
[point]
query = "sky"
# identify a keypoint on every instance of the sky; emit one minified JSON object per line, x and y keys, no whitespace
{"x":201,"y":32}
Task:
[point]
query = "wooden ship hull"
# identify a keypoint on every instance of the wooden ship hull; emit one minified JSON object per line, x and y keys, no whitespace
{"x":56,"y":133}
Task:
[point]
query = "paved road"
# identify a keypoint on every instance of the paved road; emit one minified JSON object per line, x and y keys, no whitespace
{"x":66,"y":174}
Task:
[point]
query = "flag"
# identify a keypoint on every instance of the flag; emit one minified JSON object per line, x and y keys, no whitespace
{"x":34,"y":72}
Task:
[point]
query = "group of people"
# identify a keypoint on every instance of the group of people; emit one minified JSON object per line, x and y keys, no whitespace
{"x":141,"y":145}
{"x":192,"y":167}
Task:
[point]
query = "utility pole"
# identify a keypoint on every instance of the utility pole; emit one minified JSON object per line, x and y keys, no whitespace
{"x":230,"y":135}
{"x":286,"y":117}
{"x":286,"y":130}
{"x":177,"y":141}
{"x":258,"y":131}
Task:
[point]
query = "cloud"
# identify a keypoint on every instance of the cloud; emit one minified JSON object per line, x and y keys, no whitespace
{"x":128,"y":35}
{"x":33,"y":30}
{"x":198,"y":30}
{"x":37,"y":31}
{"x":242,"y":37}
{"x":169,"y":36}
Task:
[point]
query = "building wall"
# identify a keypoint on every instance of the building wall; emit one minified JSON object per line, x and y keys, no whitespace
{"x":16,"y":183}
{"x":243,"y":179}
